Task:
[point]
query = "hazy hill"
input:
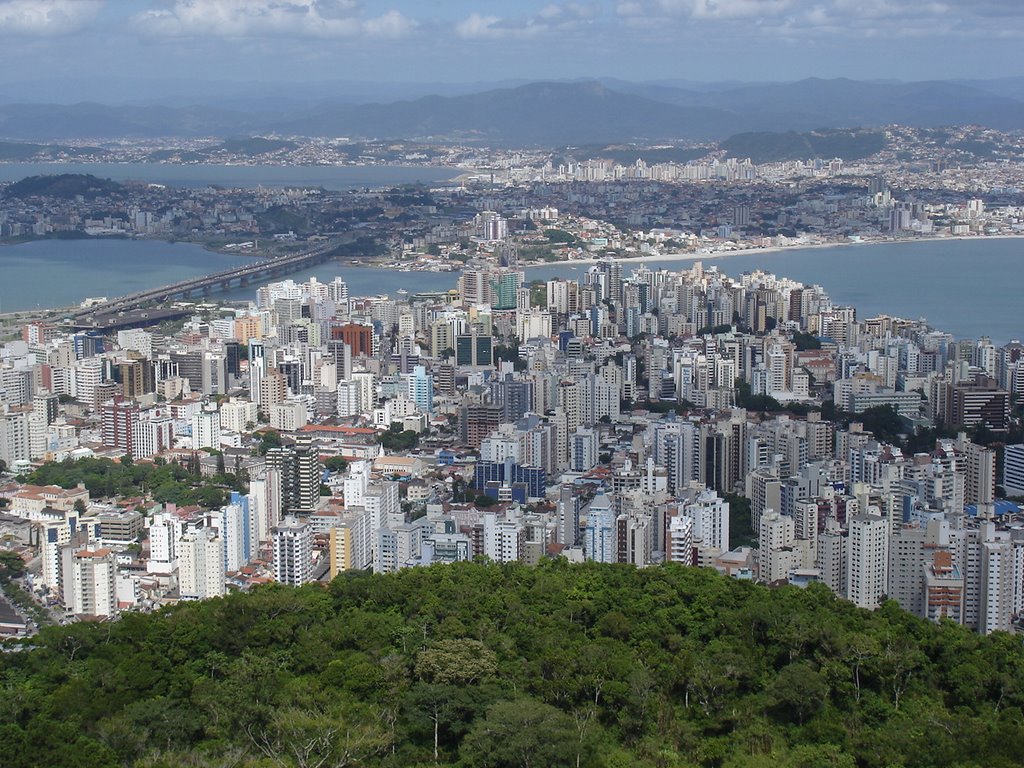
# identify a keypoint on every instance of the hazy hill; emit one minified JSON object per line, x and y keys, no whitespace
{"x":549,"y":114}
{"x":538,"y":113}
{"x":842,"y":103}
{"x":89,"y":120}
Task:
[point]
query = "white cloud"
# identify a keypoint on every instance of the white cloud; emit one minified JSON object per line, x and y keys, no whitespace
{"x":271,"y":18}
{"x":475,"y":26}
{"x":716,"y":9}
{"x":807,"y":18}
{"x":738,"y":9}
{"x":556,"y":17}
{"x":46,"y":17}
{"x":391,"y":24}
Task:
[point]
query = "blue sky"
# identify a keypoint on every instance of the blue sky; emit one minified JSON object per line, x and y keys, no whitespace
{"x":461,"y":41}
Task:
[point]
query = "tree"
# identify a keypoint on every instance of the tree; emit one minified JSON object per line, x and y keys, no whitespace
{"x":523,"y":733}
{"x":559,"y":236}
{"x":11,"y":566}
{"x":336,"y":464}
{"x":397,"y":439}
{"x":335,"y":734}
{"x":456,"y":662}
{"x":798,"y":690}
{"x":447,"y":668}
{"x":269,"y":439}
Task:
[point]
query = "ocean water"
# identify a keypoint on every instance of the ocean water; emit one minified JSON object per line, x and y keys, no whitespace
{"x":970,"y":288}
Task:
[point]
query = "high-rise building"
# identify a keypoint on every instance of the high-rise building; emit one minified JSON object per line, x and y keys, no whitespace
{"x":292,"y":552}
{"x":679,"y":540}
{"x":236,"y":532}
{"x":289,"y":416}
{"x":359,"y":338}
{"x":867,"y":560}
{"x":477,"y":421}
{"x":1000,"y":583}
{"x":912,"y":551}
{"x":980,"y":403}
{"x":421,"y":389}
{"x":599,"y":533}
{"x":273,"y":389}
{"x":504,"y":288}
{"x":568,"y":516}
{"x":200,"y":564}
{"x":90,"y":581}
{"x":206,"y":427}
{"x":474,"y":350}
{"x":503,"y":539}
{"x":583,"y":448}
{"x":299,"y":468}
{"x":1013,"y":470}
{"x":238,"y":415}
{"x":119,"y":417}
{"x":15,"y":434}
{"x":943,"y":589}
{"x":710,"y":513}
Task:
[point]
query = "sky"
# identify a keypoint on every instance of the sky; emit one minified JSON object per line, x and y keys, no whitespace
{"x":89,"y":45}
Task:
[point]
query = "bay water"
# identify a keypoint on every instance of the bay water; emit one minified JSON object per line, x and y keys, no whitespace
{"x":971,"y":287}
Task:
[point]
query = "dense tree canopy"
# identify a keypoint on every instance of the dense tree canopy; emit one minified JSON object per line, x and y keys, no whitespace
{"x":167,"y":482}
{"x":485,"y":665}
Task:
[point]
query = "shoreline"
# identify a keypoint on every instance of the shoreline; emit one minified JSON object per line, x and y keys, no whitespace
{"x":724,"y":254}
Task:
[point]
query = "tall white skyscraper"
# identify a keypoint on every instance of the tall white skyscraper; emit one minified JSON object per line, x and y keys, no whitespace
{"x":236,"y":532}
{"x":503,"y":539}
{"x":90,"y":578}
{"x":421,"y":389}
{"x":599,"y":534}
{"x":200,"y":564}
{"x":292,"y":547}
{"x":710,"y":514}
{"x":206,"y":427}
{"x":867,"y":560}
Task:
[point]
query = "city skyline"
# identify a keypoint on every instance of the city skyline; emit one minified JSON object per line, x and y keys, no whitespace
{"x":91,"y":44}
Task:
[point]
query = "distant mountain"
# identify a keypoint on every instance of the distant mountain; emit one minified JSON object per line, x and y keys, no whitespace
{"x":841,"y":103}
{"x":549,"y":113}
{"x":534,"y":114}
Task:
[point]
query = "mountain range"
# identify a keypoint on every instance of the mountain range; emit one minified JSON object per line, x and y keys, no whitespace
{"x":543,"y":113}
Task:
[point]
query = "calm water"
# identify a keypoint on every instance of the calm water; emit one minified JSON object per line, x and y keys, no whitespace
{"x":58,"y":273}
{"x":970,"y":288}
{"x":333,"y":178}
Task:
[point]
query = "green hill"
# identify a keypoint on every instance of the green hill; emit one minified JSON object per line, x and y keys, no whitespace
{"x":65,"y":185}
{"x":764,"y":147}
{"x":487,"y":665}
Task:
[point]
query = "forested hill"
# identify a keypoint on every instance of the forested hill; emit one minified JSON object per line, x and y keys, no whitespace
{"x":512,"y":666}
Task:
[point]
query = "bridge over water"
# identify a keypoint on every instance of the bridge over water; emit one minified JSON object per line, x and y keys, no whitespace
{"x":106,"y":315}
